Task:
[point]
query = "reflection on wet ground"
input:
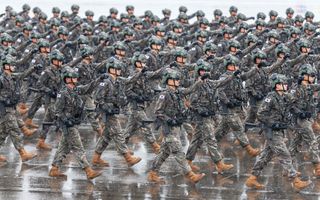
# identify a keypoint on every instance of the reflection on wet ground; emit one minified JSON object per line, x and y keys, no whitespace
{"x":31,"y":181}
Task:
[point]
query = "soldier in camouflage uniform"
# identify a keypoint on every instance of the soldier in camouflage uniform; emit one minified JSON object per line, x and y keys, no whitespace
{"x":169,"y":111}
{"x":88,"y":71}
{"x":49,"y":85}
{"x":274,"y":114}
{"x":304,"y":110}
{"x":9,"y":98}
{"x":110,"y":98}
{"x":139,"y":93}
{"x":231,"y":98}
{"x":203,"y":103}
{"x":69,"y":107}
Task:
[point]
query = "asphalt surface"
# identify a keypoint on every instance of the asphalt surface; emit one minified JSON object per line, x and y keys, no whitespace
{"x":30,"y":180}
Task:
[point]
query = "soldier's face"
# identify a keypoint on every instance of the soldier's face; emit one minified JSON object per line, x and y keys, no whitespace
{"x":138,"y":26}
{"x":233,"y":13}
{"x":125,"y":20}
{"x":160,"y":33}
{"x":294,"y":35}
{"x":181,"y":59}
{"x":115,"y":29}
{"x":9,"y":68}
{"x":7,"y":43}
{"x":309,"y":78}
{"x":90,"y":18}
{"x":309,"y":19}
{"x":202,"y":39}
{"x":120,"y":52}
{"x":203,"y":26}
{"x":232,"y":67}
{"x":114,"y":15}
{"x":217,"y":17}
{"x":260,"y":27}
{"x":140,"y":65}
{"x":272,"y":17}
{"x":57,"y":63}
{"x":171,"y":41}
{"x":34,"y":40}
{"x":202,"y":72}
{"x":298,"y":24}
{"x":130,"y":12}
{"x":290,"y":15}
{"x":233,"y":49}
{"x":258,"y":60}
{"x":177,"y":30}
{"x":129,"y":37}
{"x":305,"y":50}
{"x":280,"y":25}
{"x":273,"y":40}
{"x":118,"y":72}
{"x":156,"y":47}
{"x":282,"y":87}
{"x":55,"y":15}
{"x":174,"y":82}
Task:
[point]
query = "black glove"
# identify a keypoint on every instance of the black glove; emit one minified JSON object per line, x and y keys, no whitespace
{"x":239,"y":53}
{"x":205,"y":76}
{"x":305,"y":115}
{"x":210,"y":57}
{"x":103,"y":76}
{"x":230,"y":104}
{"x":68,"y":43}
{"x":187,"y":48}
{"x":279,"y":126}
{"x":296,"y":40}
{"x":262,"y":64}
{"x":144,"y":69}
{"x":260,"y":42}
{"x":171,"y":122}
{"x":237,"y":72}
{"x":146,"y":50}
{"x":68,"y":123}
{"x":35,"y":50}
{"x":38,"y":67}
{"x":53,"y":94}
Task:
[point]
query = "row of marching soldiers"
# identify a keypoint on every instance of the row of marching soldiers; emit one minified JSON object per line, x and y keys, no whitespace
{"x":164,"y":75}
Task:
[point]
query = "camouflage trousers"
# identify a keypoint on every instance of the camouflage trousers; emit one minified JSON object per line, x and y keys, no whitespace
{"x":275,"y":147}
{"x":304,"y":133}
{"x":252,"y":112}
{"x":10,"y":127}
{"x":112,"y":132}
{"x":204,"y":134}
{"x":231,"y":122}
{"x":70,"y":142}
{"x":171,"y":145}
{"x":135,"y":126}
{"x":90,"y":115}
{"x":49,"y":117}
{"x":35,"y":106}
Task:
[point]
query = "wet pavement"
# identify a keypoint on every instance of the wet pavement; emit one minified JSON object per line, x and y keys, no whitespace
{"x":31,"y":181}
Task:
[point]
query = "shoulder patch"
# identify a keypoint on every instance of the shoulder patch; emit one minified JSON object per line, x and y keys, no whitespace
{"x":76,"y":69}
{"x":267,"y":100}
{"x":102,"y":84}
{"x":27,"y":51}
{"x":42,"y":73}
{"x":19,"y":40}
{"x":59,"y":95}
{"x":292,"y":91}
{"x":219,"y":45}
{"x":33,"y":61}
{"x":193,"y":48}
{"x":161,"y":96}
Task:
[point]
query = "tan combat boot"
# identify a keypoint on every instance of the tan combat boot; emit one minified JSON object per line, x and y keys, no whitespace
{"x":22,"y":108}
{"x":221,"y":166}
{"x":194,"y":177}
{"x":28,"y":122}
{"x":3,"y":158}
{"x":317,"y":169}
{"x":156,"y":148}
{"x":194,"y":167}
{"x":298,"y":184}
{"x":55,"y":172}
{"x":100,"y":131}
{"x":91,"y":174}
{"x":253,"y":183}
{"x":130,"y":159}
{"x":251,"y":151}
{"x":25,"y":156}
{"x":96,"y":160}
{"x":27,"y":132}
{"x":154,"y":177}
{"x":43,"y":146}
